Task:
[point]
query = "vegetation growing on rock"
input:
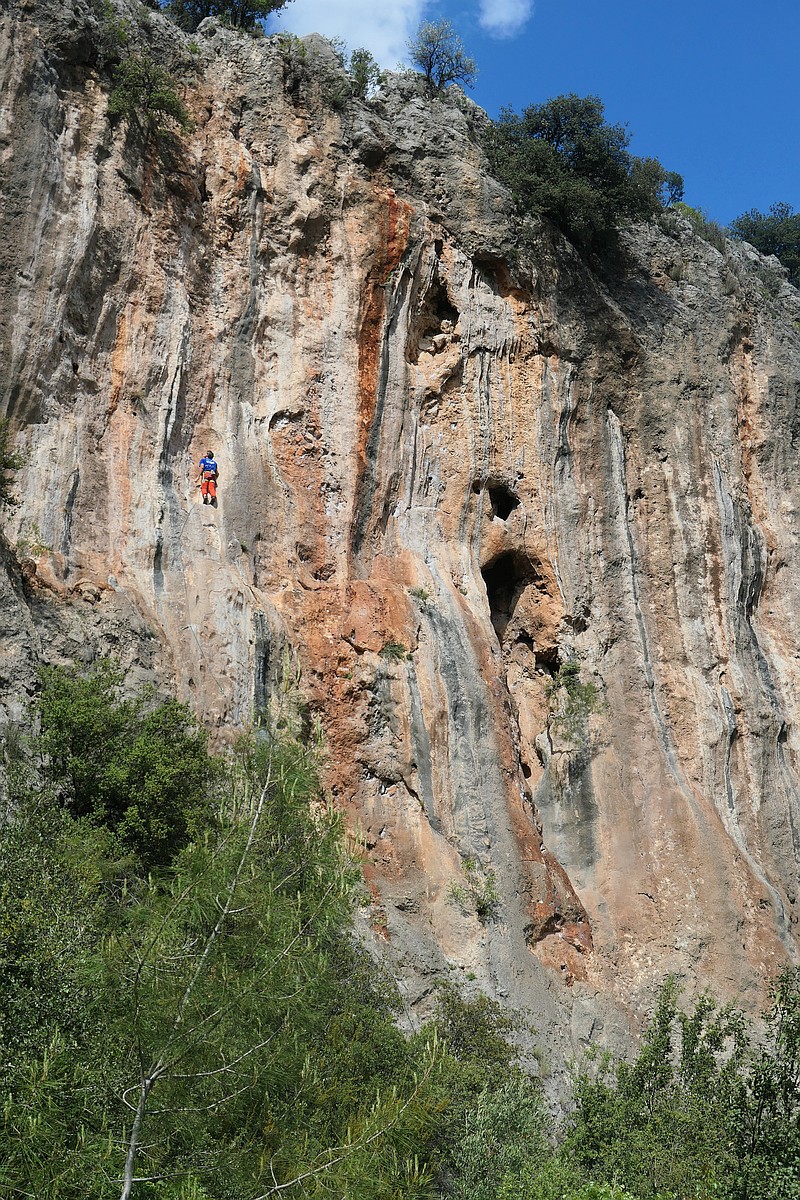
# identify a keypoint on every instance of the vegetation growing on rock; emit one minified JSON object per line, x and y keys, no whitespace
{"x":564,"y":160}
{"x":776,"y":232}
{"x":189,"y":1016}
{"x":145,"y":92}
{"x":439,"y":53}
{"x":240,"y":14}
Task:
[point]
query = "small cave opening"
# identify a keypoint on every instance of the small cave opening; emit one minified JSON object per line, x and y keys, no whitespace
{"x":548,"y":659}
{"x":437,"y":307}
{"x":435,"y":315}
{"x":502,"y":498}
{"x":506,"y":578}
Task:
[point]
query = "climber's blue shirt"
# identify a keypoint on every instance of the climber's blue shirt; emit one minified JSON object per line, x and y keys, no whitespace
{"x":208,"y":464}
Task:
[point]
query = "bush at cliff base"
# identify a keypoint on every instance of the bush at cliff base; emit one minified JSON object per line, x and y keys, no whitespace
{"x":184,"y":1012}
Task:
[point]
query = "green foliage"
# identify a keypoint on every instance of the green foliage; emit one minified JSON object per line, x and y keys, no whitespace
{"x":136,"y":767}
{"x":476,"y":1032}
{"x":394,"y":652}
{"x":211,"y":1026}
{"x":572,"y":703}
{"x":776,"y":232}
{"x":503,"y":1136}
{"x":144,"y":92}
{"x":665,"y":1124}
{"x":439,"y":53}
{"x":31,"y":543}
{"x":364,"y":72}
{"x":769,"y":1126}
{"x":55,"y":902}
{"x":651,"y":179}
{"x":240,"y":14}
{"x":10,"y":461}
{"x":210,"y":1031}
{"x":111,"y":36}
{"x":562,"y":159}
{"x":479,"y":893}
{"x":703,"y":226}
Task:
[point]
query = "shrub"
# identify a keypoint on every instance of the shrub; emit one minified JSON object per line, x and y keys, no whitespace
{"x":776,"y":232}
{"x":572,"y":703}
{"x":394,"y":652}
{"x":703,"y":226}
{"x":364,"y":72}
{"x":241,"y":14}
{"x":564,"y":160}
{"x":479,"y":894}
{"x":112,"y":35}
{"x":31,"y":543}
{"x":144,"y":92}
{"x":139,"y":767}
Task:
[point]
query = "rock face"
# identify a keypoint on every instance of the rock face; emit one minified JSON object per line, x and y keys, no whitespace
{"x":529,"y":540}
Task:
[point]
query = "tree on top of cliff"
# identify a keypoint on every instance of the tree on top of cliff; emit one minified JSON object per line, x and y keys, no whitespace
{"x":439,"y":52}
{"x":563,"y":159}
{"x":776,"y":232}
{"x":144,"y":91}
{"x":240,"y":14}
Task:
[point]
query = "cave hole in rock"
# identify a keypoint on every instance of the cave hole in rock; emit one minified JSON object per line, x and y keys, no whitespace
{"x":548,"y":659}
{"x":434,"y":315}
{"x":506,"y":578}
{"x":502,"y":498}
{"x":437,"y":306}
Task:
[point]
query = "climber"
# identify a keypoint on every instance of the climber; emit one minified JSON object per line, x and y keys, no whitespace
{"x":208,"y":474}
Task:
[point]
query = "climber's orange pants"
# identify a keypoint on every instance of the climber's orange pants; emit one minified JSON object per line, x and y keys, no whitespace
{"x":209,"y":487}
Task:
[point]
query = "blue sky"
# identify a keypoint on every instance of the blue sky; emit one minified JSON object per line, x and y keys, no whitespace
{"x":708,"y":87}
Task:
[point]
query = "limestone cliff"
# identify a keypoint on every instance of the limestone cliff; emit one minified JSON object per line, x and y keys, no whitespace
{"x":446,"y":472}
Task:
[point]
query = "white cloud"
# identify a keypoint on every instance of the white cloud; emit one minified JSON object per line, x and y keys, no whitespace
{"x":381,"y":27}
{"x":504,"y":18}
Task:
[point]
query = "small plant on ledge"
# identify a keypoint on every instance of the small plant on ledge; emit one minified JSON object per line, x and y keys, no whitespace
{"x":394,"y":652}
{"x":479,"y":893}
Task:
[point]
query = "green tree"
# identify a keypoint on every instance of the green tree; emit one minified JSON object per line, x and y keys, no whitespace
{"x":167,"y":1034}
{"x":651,"y":179}
{"x":138,"y":767}
{"x":776,"y":232}
{"x":564,"y":160}
{"x":440,"y":55}
{"x":769,"y":1120}
{"x":364,"y":72}
{"x":240,"y":14}
{"x":502,"y":1137}
{"x":665,"y":1124}
{"x":145,"y":92}
{"x":58,"y":896}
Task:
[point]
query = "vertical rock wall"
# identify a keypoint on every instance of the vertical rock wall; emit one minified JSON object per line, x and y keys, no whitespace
{"x":444,"y":478}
